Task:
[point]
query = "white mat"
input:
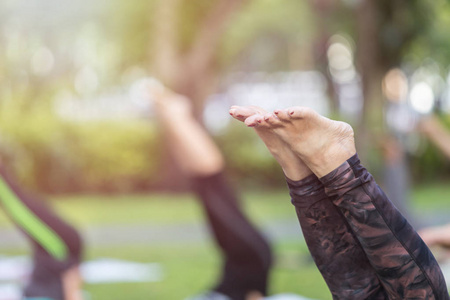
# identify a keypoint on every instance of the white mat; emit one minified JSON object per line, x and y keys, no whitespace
{"x":102,"y":270}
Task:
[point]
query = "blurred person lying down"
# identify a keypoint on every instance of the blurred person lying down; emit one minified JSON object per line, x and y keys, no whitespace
{"x":56,"y":245}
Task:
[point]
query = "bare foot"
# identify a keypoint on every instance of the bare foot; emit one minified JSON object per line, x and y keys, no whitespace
{"x":191,"y":146}
{"x":168,"y":104}
{"x":321,"y":143}
{"x":293,"y":167}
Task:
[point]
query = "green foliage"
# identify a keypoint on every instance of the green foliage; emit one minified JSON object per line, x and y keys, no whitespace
{"x":54,"y":156}
{"x":402,"y":22}
{"x":114,"y":156}
{"x":435,"y":42}
{"x":190,"y":17}
{"x":268,"y":29}
{"x":263,"y":35}
{"x":129,"y":25}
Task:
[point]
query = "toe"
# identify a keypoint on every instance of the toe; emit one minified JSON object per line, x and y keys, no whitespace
{"x":242,"y":112}
{"x":235,"y":113}
{"x":282,"y":115}
{"x":253,"y":121}
{"x":272,"y":119}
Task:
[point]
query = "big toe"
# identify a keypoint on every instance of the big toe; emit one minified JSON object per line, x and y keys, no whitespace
{"x":243,"y":112}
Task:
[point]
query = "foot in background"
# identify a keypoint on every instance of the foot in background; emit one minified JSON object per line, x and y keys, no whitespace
{"x":191,"y":146}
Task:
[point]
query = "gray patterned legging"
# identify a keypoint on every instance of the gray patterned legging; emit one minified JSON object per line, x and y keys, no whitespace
{"x":363,"y":247}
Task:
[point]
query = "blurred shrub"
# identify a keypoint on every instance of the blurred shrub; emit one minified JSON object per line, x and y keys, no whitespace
{"x":59,"y":157}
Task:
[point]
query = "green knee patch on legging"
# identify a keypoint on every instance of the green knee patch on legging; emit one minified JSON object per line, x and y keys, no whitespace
{"x":29,"y":222}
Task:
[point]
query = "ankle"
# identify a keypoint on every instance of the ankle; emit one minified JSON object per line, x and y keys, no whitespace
{"x":296,"y":174}
{"x":322,"y":165}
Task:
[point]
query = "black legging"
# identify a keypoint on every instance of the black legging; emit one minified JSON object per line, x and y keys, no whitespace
{"x":363,"y":247}
{"x":247,"y":255}
{"x":56,"y":245}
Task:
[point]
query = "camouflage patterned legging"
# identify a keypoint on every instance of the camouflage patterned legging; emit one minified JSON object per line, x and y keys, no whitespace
{"x":363,"y":247}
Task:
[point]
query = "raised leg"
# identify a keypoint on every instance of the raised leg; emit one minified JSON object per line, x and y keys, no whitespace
{"x":403,"y":263}
{"x":336,"y":252}
{"x":247,"y":255}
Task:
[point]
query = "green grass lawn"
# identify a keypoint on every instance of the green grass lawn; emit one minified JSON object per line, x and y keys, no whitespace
{"x":192,"y":267}
{"x":92,"y":210}
{"x":85,"y":211}
{"x":432,"y":197}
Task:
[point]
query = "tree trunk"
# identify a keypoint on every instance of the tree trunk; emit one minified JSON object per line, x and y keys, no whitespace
{"x":166,"y":59}
{"x":199,"y":63}
{"x":371,"y":69}
{"x":324,"y":10}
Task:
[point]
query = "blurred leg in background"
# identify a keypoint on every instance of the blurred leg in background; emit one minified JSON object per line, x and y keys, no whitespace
{"x":397,"y":177}
{"x":57,"y":246}
{"x":246,"y":253}
{"x":439,"y":135}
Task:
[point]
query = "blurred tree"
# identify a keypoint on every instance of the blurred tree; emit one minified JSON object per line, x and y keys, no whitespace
{"x":113,"y":40}
{"x":434,"y":42}
{"x":191,"y":45}
{"x":187,"y":66}
{"x":385,"y":31}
